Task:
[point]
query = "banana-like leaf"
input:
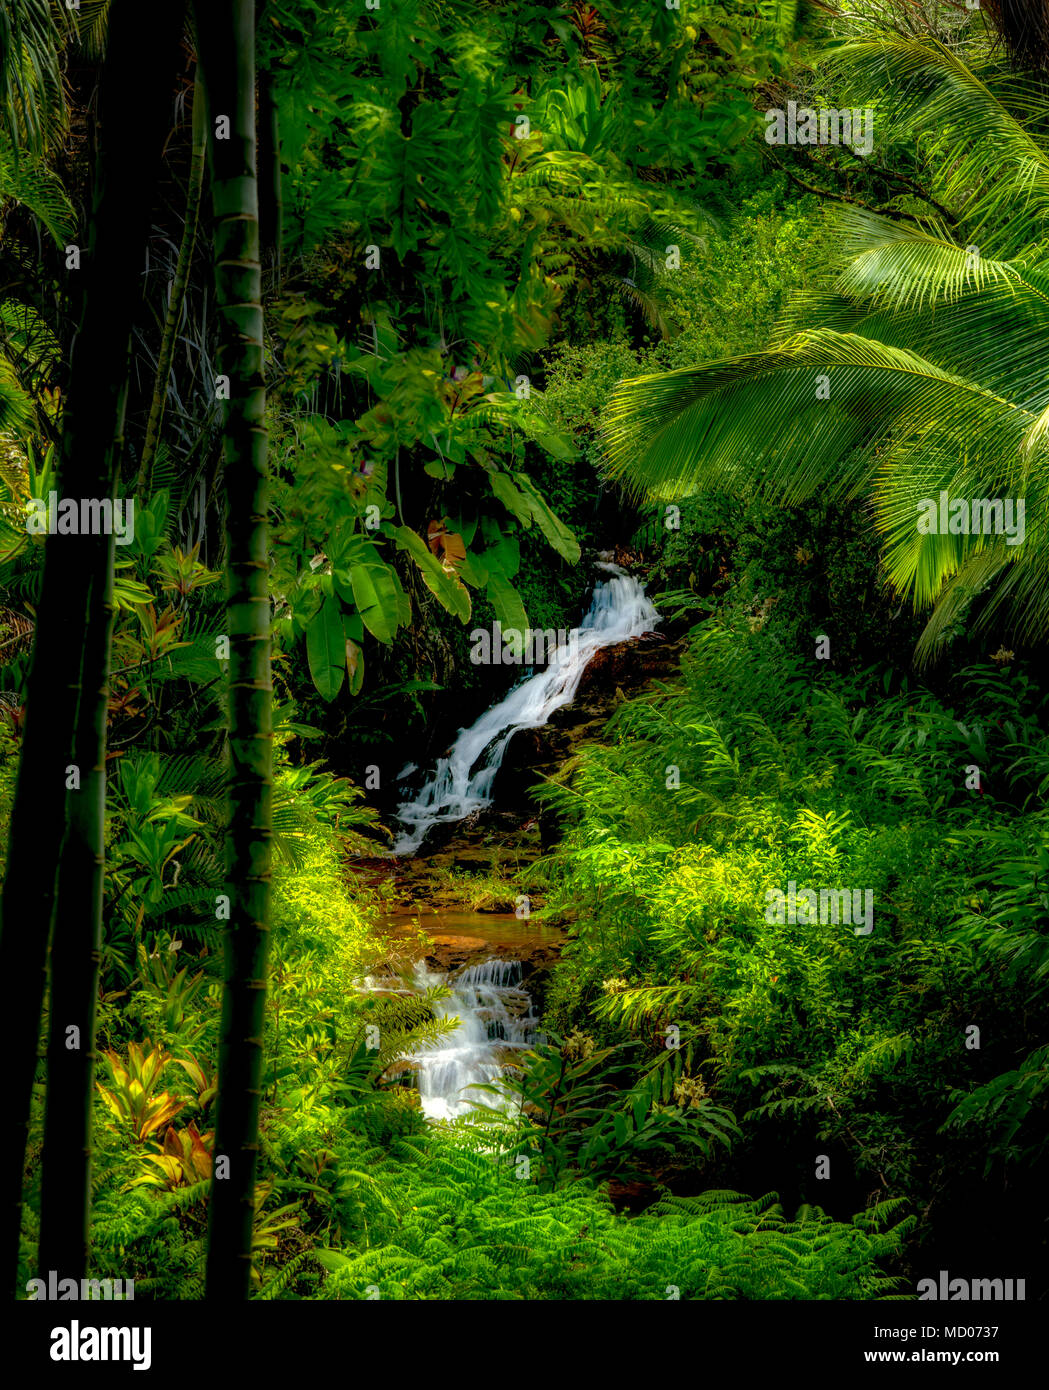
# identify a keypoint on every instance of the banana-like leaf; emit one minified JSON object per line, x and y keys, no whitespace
{"x":326,"y":649}
{"x":376,"y":592}
{"x":515,"y":502}
{"x":445,"y":587}
{"x":555,"y":532}
{"x":506,"y":601}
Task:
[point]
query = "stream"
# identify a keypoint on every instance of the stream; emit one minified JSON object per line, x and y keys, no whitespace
{"x":462,"y":781}
{"x":496,"y":1019}
{"x":496,"y":1012}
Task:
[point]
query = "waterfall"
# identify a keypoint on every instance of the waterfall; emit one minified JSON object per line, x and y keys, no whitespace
{"x":495,"y":1017}
{"x":462,"y":783}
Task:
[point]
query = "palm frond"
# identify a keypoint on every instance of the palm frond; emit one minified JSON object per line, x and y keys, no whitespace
{"x":762,"y":420}
{"x":25,"y":178}
{"x":31,"y":71}
{"x":990,"y":170}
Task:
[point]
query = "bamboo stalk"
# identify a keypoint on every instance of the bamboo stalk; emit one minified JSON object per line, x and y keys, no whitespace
{"x":226,"y":33}
{"x":135,"y":108}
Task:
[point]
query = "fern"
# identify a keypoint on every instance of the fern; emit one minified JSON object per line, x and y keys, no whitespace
{"x":281,"y":1280}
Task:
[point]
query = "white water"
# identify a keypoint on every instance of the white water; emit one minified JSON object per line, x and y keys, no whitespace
{"x":463,"y":780}
{"x":495,"y":1014}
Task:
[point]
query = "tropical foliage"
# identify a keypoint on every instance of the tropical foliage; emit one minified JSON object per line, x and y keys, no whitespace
{"x":369,"y":326}
{"x":911,"y":373}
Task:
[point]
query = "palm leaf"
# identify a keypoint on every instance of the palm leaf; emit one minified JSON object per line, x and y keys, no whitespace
{"x":758,"y":420}
{"x":25,"y":178}
{"x":924,"y":372}
{"x":16,"y":405}
{"x":30,"y":71}
{"x":986,"y":167}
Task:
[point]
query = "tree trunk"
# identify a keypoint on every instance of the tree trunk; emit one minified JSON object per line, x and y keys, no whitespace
{"x":76,"y":949}
{"x":135,"y":106}
{"x":178,"y":292}
{"x":225,"y":35}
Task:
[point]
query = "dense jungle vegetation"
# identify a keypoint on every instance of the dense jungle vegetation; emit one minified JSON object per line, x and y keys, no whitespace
{"x":389,"y":320}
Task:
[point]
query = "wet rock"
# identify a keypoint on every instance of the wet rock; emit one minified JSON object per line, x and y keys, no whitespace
{"x":401,"y":1072}
{"x":612,"y":675}
{"x":446,"y":940}
{"x":449,"y":958}
{"x":510,"y":1057}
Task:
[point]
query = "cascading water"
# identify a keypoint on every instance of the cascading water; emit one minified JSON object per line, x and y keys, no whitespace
{"x":495,"y":1016}
{"x":463,"y":781}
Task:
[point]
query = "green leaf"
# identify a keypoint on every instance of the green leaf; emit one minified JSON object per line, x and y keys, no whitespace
{"x":473,"y":571}
{"x":16,"y":404}
{"x":555,"y":532}
{"x":325,"y":649}
{"x":129,"y":593}
{"x":462,"y":525}
{"x":515,"y":502}
{"x":27,"y":180}
{"x":376,"y":592}
{"x":506,"y":601}
{"x":558,"y":445}
{"x":332,"y":1260}
{"x":504,"y":555}
{"x":439,"y":468}
{"x":445,"y":587}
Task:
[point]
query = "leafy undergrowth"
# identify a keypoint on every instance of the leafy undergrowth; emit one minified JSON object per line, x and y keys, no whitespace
{"x":359,"y":1198}
{"x":903,"y":1039}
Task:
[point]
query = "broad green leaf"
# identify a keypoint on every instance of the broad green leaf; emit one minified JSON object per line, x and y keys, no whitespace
{"x":505,"y":555}
{"x":326,"y":649}
{"x":506,"y":601}
{"x":454,"y":450}
{"x":515,"y":502}
{"x":448,"y":591}
{"x":332,"y":1260}
{"x":491,"y":531}
{"x":473,"y":571}
{"x":442,"y":469}
{"x":465,"y":526}
{"x":375,"y":592}
{"x":555,"y":532}
{"x":557,"y":445}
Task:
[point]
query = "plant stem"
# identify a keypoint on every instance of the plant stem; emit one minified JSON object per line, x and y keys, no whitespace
{"x":179,"y":286}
